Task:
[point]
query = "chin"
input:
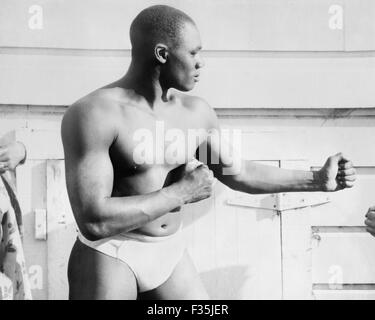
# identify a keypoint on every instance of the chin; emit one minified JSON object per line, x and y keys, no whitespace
{"x":184,"y":88}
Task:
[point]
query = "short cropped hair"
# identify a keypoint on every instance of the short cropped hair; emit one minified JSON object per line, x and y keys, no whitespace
{"x":157,"y":24}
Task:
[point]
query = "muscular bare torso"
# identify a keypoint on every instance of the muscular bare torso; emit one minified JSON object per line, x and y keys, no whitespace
{"x":152,"y":147}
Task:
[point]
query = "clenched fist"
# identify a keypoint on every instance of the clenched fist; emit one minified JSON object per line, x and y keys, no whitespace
{"x":196,"y":183}
{"x":337,"y":173}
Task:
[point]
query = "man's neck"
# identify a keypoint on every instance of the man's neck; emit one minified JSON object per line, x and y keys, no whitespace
{"x":145,"y":81}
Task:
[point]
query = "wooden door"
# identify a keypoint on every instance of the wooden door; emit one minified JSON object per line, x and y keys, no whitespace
{"x":235,"y":244}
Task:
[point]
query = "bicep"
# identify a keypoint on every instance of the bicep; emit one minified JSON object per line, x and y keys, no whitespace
{"x":223,"y":154}
{"x":89,"y":182}
{"x":89,"y":170}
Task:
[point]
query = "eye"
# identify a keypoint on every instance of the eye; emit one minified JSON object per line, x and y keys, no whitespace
{"x":193,"y":53}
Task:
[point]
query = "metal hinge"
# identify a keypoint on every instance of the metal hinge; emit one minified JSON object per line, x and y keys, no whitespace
{"x":268,"y":202}
{"x":290,"y":201}
{"x":280,"y":201}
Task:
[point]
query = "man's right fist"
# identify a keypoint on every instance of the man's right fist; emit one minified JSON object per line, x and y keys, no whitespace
{"x":370,"y":221}
{"x":196,"y":183}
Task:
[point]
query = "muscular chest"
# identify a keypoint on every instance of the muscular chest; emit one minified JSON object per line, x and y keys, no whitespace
{"x":167,"y":141}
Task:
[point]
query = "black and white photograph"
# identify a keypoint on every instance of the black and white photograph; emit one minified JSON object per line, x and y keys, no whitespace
{"x":187,"y":150}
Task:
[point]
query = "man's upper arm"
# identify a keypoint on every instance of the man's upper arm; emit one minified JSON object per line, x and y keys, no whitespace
{"x":220,"y":148}
{"x":87,"y":134}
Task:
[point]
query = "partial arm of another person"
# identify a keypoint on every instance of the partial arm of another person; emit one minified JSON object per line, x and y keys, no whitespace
{"x":12,"y":155}
{"x":370,"y":221}
{"x":87,"y":135}
{"x":251,"y":177}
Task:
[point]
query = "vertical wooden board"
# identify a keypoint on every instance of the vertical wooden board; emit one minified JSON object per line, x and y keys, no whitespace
{"x":344,"y":294}
{"x":259,"y":254}
{"x":31,"y":191}
{"x":243,"y":25}
{"x":202,"y":245}
{"x":227,"y":277}
{"x":297,"y":262}
{"x":258,"y":274}
{"x":61,"y":230}
{"x":343,"y":258}
{"x":348,"y":207}
{"x":296,"y":246}
{"x":226,"y":227}
{"x":228,"y":248}
{"x":359,"y":25}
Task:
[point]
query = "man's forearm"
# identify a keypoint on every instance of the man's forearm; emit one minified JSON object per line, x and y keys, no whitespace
{"x":121,"y":214}
{"x":257,"y":179}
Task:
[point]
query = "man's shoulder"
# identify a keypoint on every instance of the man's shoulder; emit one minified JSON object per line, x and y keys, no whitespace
{"x":101,"y":100}
{"x":200,"y":107}
{"x":98,"y":113}
{"x":192,"y":102}
{"x":196,"y":104}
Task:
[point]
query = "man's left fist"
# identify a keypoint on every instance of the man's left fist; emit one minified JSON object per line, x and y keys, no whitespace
{"x":337,"y":173}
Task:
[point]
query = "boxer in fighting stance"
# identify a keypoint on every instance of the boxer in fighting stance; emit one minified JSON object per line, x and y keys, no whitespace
{"x":130,"y":240}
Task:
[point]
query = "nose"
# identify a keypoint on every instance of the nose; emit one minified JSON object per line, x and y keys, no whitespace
{"x":200,"y":62}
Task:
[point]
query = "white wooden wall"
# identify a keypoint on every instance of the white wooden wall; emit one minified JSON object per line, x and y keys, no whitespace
{"x":293,"y":75}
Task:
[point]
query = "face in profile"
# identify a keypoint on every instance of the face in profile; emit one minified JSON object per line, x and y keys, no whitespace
{"x":184,"y":62}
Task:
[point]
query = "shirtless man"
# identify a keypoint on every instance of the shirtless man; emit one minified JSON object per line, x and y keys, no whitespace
{"x":130,"y":238}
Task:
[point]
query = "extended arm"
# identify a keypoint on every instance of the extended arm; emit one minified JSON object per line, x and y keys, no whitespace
{"x":251,"y":177}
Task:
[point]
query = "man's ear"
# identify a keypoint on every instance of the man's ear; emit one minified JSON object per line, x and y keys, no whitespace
{"x":161,"y":52}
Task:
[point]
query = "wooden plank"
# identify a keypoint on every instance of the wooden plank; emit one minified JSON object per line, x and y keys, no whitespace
{"x":258,"y":268}
{"x":259,"y":254}
{"x":340,"y":258}
{"x":259,"y":142}
{"x":360,"y":25}
{"x":344,"y":294}
{"x":203,"y":245}
{"x":31,"y":190}
{"x":296,"y":246}
{"x":348,"y":207}
{"x":46,"y":74}
{"x":42,"y":144}
{"x":226,"y":248}
{"x":314,"y":143}
{"x":226,"y":245}
{"x":244,"y":25}
{"x":229,"y":81}
{"x":61,"y":230}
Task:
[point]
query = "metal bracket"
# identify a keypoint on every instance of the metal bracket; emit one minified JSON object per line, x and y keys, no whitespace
{"x":268,"y":202}
{"x":280,"y":201}
{"x":290,"y":201}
